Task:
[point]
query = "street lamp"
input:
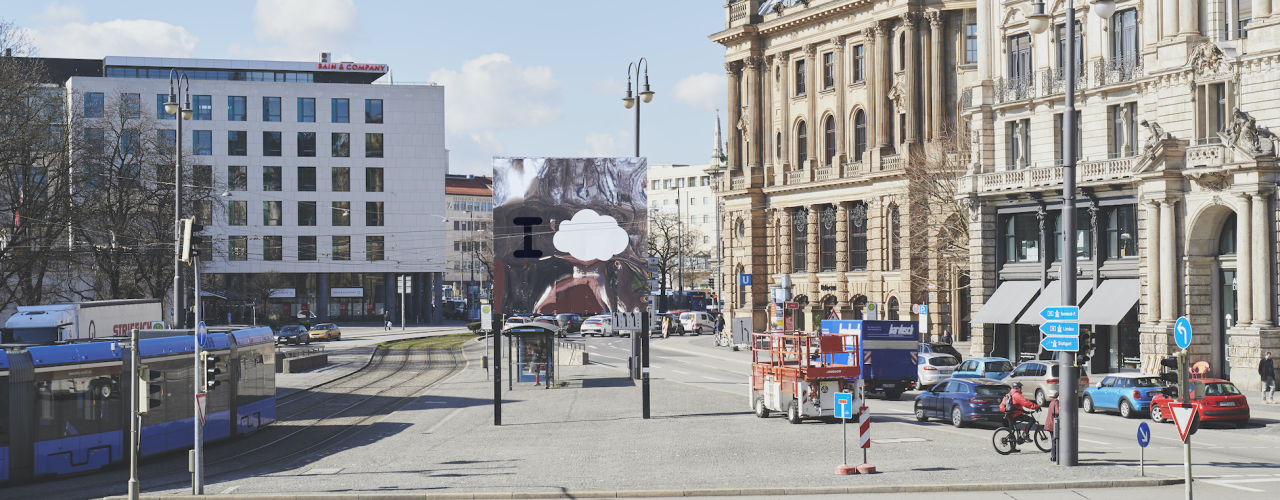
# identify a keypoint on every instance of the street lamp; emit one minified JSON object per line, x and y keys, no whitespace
{"x":646,"y":96}
{"x":178,"y":85}
{"x":1068,"y":430}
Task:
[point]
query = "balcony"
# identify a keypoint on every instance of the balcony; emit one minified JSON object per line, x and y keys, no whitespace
{"x":1206,"y":155}
{"x":739,"y":182}
{"x":894,"y":162}
{"x":1110,"y":71}
{"x":1015,"y":88}
{"x":823,"y":173}
{"x":795,"y":176}
{"x":1040,"y":178}
{"x":1054,"y":81}
{"x":738,"y":10}
{"x":853,"y":169}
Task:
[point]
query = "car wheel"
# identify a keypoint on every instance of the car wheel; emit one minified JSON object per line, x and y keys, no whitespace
{"x":892,"y":395}
{"x":957,"y":417}
{"x":1040,"y":399}
{"x":1157,"y":415}
{"x":793,"y":413}
{"x":698,"y":331}
{"x":920,"y":415}
{"x":761,"y":410}
{"x":1126,"y":409}
{"x":1087,"y":405}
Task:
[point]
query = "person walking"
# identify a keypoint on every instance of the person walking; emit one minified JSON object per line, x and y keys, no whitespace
{"x":1051,"y":425}
{"x":386,"y":319}
{"x":1267,"y":373}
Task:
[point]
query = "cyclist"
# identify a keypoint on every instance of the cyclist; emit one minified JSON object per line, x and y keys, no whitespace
{"x":1013,"y":406}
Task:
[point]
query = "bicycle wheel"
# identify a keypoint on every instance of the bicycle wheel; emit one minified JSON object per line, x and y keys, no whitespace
{"x":1042,"y":439}
{"x":1003,"y":440}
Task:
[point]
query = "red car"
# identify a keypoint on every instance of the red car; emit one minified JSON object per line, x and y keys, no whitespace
{"x":1216,"y":400}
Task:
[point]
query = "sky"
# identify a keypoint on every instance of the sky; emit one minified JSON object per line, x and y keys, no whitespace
{"x":522,"y":78}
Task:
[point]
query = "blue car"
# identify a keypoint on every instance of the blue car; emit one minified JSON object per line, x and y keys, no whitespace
{"x":992,"y":368}
{"x":962,"y":401}
{"x":1125,"y":393}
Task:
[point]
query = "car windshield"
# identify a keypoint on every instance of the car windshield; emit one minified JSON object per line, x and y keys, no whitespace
{"x":998,"y":366}
{"x":1149,"y":382}
{"x":291,"y":329}
{"x":322,"y":326}
{"x":1218,"y":389}
{"x":991,"y":390}
{"x":944,"y":361}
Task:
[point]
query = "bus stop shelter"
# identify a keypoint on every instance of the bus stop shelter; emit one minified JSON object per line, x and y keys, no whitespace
{"x":531,"y":353}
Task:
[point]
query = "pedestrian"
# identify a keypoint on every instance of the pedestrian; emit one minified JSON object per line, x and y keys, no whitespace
{"x":719,"y":323}
{"x":946,"y":336}
{"x":386,"y":318}
{"x":1267,"y":373}
{"x":1051,"y":425}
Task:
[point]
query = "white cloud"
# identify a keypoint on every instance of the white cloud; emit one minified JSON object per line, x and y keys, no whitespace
{"x":607,"y":145}
{"x":590,"y":236}
{"x":58,"y":13}
{"x":703,"y":91}
{"x":491,"y":93}
{"x":299,"y":30}
{"x":135,"y":37}
{"x":609,"y":86}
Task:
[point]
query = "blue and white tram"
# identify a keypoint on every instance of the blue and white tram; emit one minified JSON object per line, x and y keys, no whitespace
{"x":64,"y":408}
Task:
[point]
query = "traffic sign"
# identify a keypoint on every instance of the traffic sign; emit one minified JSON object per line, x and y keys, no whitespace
{"x":1060,"y":343}
{"x":915,"y":308}
{"x":1060,"y":329}
{"x":201,"y":401}
{"x":1060,"y":313}
{"x":202,"y":334}
{"x":924,"y":309}
{"x":654,"y":285}
{"x":844,"y":405}
{"x":486,"y":317}
{"x":1182,"y":332}
{"x":744,"y":280}
{"x":1144,"y":434}
{"x":1182,"y":418}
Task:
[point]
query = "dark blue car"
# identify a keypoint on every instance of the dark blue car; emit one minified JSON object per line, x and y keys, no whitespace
{"x":962,"y":401}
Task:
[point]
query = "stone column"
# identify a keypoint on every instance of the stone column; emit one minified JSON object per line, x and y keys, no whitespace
{"x":841,"y":115}
{"x":1244,"y":262}
{"x":1261,"y":9}
{"x":811,"y":73}
{"x":735,"y":108}
{"x":842,"y":237}
{"x":1262,"y":258}
{"x":871,"y":71}
{"x":936,"y":22}
{"x":813,"y":253}
{"x":1169,"y":12}
{"x":1153,"y":262}
{"x":767,"y":126}
{"x":1188,"y":17}
{"x":884,"y":79}
{"x":910,"y":77}
{"x":984,"y":40}
{"x":784,"y":92}
{"x":1169,"y":266}
{"x":751,"y":72}
{"x":784,"y":232}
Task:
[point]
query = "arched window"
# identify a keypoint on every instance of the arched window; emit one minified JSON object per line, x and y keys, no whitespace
{"x":742,"y":290}
{"x":1227,"y":238}
{"x":895,"y":238}
{"x":802,"y":145}
{"x":891,"y":311}
{"x":902,"y":52}
{"x":779,"y":146}
{"x":859,"y":135}
{"x":830,"y":140}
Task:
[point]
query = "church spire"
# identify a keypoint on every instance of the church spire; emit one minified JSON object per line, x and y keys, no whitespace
{"x":717,"y":155}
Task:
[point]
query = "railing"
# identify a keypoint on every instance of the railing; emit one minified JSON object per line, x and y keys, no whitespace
{"x":822,"y":173}
{"x":738,"y":10}
{"x":894,"y":162}
{"x":795,"y":176}
{"x":1054,"y":81}
{"x":1028,"y":178}
{"x":1109,"y":71}
{"x":737,"y":183}
{"x":966,"y":98}
{"x":1015,"y":88}
{"x":852,"y":169}
{"x":1206,"y":155}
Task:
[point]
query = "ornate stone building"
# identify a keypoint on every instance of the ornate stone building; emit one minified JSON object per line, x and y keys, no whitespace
{"x":830,"y":102}
{"x":1176,"y":173}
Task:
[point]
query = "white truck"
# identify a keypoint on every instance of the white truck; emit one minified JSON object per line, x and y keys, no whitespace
{"x":81,"y":320}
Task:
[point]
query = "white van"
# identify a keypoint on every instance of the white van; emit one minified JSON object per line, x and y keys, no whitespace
{"x":697,"y":323}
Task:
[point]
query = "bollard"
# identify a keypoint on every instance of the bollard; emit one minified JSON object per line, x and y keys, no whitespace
{"x":864,"y":436}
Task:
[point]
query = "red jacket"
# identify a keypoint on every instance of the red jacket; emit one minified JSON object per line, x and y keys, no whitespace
{"x":1020,"y":403}
{"x":1052,"y":412}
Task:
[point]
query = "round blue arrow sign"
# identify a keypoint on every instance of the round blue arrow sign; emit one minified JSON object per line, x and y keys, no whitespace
{"x":1182,"y":332}
{"x":1144,"y":434}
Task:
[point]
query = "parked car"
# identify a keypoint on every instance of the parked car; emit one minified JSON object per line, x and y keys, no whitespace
{"x":552,"y":321}
{"x":1126,"y":393}
{"x":1040,"y":380}
{"x":697,"y":323}
{"x":962,"y":400}
{"x":675,"y":327}
{"x":572,"y":322}
{"x":1215,"y":399}
{"x":939,"y":348}
{"x":293,"y":334}
{"x":601,"y":325}
{"x":992,"y":368}
{"x":934,"y":368}
{"x":516,"y":320}
{"x":327,"y":331}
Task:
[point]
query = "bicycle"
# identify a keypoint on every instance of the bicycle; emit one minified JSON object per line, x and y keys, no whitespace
{"x":723,"y":339}
{"x":1004,"y":438}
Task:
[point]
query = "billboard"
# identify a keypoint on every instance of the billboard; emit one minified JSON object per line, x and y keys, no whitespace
{"x":570,"y":235}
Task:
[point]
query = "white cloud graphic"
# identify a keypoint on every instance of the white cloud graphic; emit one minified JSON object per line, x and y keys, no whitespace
{"x":590,"y":236}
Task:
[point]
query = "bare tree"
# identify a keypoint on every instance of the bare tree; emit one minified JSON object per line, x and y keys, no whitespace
{"x":479,"y":245}
{"x":261,"y":287}
{"x":938,"y":220}
{"x":666,"y":245}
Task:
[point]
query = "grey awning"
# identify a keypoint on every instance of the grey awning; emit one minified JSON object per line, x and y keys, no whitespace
{"x":1111,"y":302}
{"x":1052,"y":296}
{"x":1009,"y":300}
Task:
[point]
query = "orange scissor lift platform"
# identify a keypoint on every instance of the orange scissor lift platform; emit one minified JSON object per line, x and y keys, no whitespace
{"x":798,"y":373}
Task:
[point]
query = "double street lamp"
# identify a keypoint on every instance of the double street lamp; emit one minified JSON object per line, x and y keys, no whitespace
{"x":1068,"y":431}
{"x":178,"y":86}
{"x":643,"y":339}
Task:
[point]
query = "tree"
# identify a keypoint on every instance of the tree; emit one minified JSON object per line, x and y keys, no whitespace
{"x":479,"y":245}
{"x":261,"y":287}
{"x":666,"y":246}
{"x":938,"y":220}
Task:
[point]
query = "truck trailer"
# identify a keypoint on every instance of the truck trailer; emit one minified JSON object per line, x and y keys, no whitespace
{"x":79,"y":321}
{"x":888,"y":350}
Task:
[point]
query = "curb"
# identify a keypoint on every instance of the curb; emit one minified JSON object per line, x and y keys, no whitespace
{"x":834,"y":490}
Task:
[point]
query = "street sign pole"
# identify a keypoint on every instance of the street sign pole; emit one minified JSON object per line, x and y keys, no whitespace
{"x":1144,"y":438}
{"x":843,"y":410}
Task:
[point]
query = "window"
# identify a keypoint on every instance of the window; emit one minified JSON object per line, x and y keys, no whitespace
{"x":893,"y":309}
{"x":828,"y":70}
{"x":95,"y":139}
{"x":373,"y":180}
{"x":859,"y":63}
{"x":271,"y":143}
{"x":799,"y":240}
{"x":373,"y":215}
{"x":706,"y":219}
{"x":237,"y":108}
{"x":655,"y":184}
{"x":306,"y":213}
{"x":902,"y":52}
{"x":272,"y":179}
{"x":306,"y":143}
{"x":93,"y":105}
{"x":341,"y":248}
{"x":829,"y":140}
{"x":1124,"y":39}
{"x":373,"y":110}
{"x":203,"y":107}
{"x":270,"y":109}
{"x":341,"y":213}
{"x":827,"y":239}
{"x":1061,"y":31}
{"x":1212,"y":113}
{"x":202,"y":142}
{"x":204,"y":213}
{"x":203,"y":176}
{"x":1124,"y":135}
{"x":1020,"y":67}
{"x":238,"y":248}
{"x":706,"y":239}
{"x":238,"y":213}
{"x":374,"y":248}
{"x":272,"y":248}
{"x":340,"y":110}
{"x":895,"y":238}
{"x":237,"y":143}
{"x":165,"y":139}
{"x":802,"y":146}
{"x":306,"y":110}
{"x":1227,"y":236}
{"x":779,"y":144}
{"x":238,"y":178}
{"x":971,"y":37}
{"x":858,"y":236}
{"x":373,"y":145}
{"x":859,"y":135}
{"x":1083,"y":237}
{"x":341,"y":179}
{"x":306,"y":178}
{"x":272,"y":213}
{"x":341,"y":145}
{"x":1022,"y":238}
{"x":800,"y":77}
{"x":160,"y":112}
{"x":306,"y":248}
{"x":1122,"y":232}
{"x":131,"y":105}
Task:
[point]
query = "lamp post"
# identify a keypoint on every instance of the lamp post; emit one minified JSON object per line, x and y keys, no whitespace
{"x":178,"y":84}
{"x":471,"y":253}
{"x":1068,"y":433}
{"x":645,"y":96}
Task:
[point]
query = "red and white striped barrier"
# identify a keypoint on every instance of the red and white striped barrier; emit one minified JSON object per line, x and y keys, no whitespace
{"x":864,"y":437}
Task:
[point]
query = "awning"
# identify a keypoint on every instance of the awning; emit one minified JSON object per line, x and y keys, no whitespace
{"x":1052,"y":296}
{"x":1111,"y":302}
{"x":1009,"y":300}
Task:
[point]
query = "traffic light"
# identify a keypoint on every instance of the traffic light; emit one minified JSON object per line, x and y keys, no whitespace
{"x":153,"y":393}
{"x":1086,"y":347}
{"x":211,"y":371}
{"x":190,"y":240}
{"x":712,"y":282}
{"x":1178,"y":376}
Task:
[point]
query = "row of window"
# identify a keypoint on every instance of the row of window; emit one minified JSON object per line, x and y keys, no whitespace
{"x":706,"y":200}
{"x":470,"y":206}
{"x":1122,"y":135}
{"x":237,"y":108}
{"x":273,"y":178}
{"x":1125,"y":45}
{"x":273,"y":213}
{"x":681,"y":182}
{"x":470,"y":225}
{"x":273,"y":142}
{"x":829,"y":140}
{"x":238,"y":76}
{"x":1024,"y":242}
{"x":856,"y":219}
{"x":273,"y":248}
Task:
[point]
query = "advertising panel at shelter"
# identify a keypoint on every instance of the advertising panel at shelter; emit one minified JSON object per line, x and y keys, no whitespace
{"x":570,"y":235}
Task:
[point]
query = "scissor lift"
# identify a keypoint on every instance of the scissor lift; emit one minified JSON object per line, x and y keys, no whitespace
{"x":798,"y":373}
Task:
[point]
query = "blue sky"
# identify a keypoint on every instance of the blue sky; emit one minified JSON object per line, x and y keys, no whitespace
{"x":522,"y":78}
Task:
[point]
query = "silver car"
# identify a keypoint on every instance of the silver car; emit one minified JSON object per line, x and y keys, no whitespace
{"x":1040,"y":378}
{"x":934,"y":368}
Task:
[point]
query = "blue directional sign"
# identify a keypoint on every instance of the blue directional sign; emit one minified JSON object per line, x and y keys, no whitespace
{"x":1060,"y":343}
{"x":1060,"y":313}
{"x":1060,"y":329}
{"x":1182,"y":332}
{"x":1144,"y":434}
{"x":744,"y":280}
{"x":202,"y":335}
{"x":844,"y":405}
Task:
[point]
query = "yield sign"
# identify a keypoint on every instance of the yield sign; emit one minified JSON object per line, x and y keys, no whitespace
{"x":1182,"y":418}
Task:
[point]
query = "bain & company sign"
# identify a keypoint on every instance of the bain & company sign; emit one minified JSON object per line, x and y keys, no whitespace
{"x":351,"y":67}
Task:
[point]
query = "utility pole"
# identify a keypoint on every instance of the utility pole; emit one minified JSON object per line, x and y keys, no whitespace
{"x":197,"y":466}
{"x":134,"y":438}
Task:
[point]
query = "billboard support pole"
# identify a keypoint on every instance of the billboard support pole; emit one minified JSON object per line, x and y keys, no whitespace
{"x":497,"y":377}
{"x":644,"y":365}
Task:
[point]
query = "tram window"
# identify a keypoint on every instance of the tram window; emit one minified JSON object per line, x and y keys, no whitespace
{"x":76,"y":406}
